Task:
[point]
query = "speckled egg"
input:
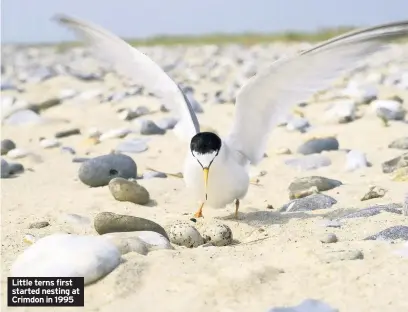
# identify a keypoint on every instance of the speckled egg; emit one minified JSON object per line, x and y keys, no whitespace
{"x":217,"y":234}
{"x":185,"y":234}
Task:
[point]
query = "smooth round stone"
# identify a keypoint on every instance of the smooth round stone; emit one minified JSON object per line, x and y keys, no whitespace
{"x":148,"y":127}
{"x":49,"y":143}
{"x":5,"y":169}
{"x":217,"y":234}
{"x":328,"y":238}
{"x":6,"y":146}
{"x":319,"y":145}
{"x":128,"y":191}
{"x":15,"y":168}
{"x":167,"y":123}
{"x":356,"y":160}
{"x":127,"y":244}
{"x":23,"y":117}
{"x":100,"y":170}
{"x":91,"y":257}
{"x":113,"y":134}
{"x":17,"y":153}
{"x":184,"y":234}
{"x":109,"y":222}
{"x":132,"y":146}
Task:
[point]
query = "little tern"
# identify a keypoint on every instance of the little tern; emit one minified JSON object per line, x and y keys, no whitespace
{"x":216,"y":169}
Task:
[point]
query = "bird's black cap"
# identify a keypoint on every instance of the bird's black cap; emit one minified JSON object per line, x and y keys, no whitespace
{"x":205,"y":143}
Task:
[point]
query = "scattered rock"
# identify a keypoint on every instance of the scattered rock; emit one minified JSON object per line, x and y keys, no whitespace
{"x":309,"y":203}
{"x":395,"y":163}
{"x":6,"y":146}
{"x":68,"y":255}
{"x":38,"y":225}
{"x":393,"y":233}
{"x":356,"y":160}
{"x":401,"y":143}
{"x":372,"y":211}
{"x":315,"y":146}
{"x":100,"y":170}
{"x":308,"y":305}
{"x":109,"y":222}
{"x":309,"y":162}
{"x":301,"y":187}
{"x":218,"y":234}
{"x":148,"y":127}
{"x":184,"y":234}
{"x":328,"y":238}
{"x":132,"y":146}
{"x":341,"y":255}
{"x":128,"y":191}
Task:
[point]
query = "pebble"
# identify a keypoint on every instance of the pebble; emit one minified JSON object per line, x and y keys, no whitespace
{"x":38,"y":225}
{"x":5,"y":169}
{"x":309,"y":162}
{"x":392,"y":233}
{"x":307,"y":305}
{"x":56,"y":255}
{"x":133,"y":146}
{"x":6,"y":146}
{"x":329,"y":238}
{"x":356,"y":160}
{"x":148,"y":127}
{"x":341,"y":255}
{"x":128,"y":191}
{"x":374,"y":210}
{"x":108,"y":222}
{"x":15,"y":168}
{"x":153,"y":174}
{"x":309,"y":203}
{"x":395,"y":163}
{"x":49,"y":143}
{"x":374,"y":192}
{"x":318,"y":145}
{"x":184,"y":234}
{"x":67,"y":133}
{"x":167,"y":123}
{"x":23,"y":117}
{"x":401,"y":143}
{"x":114,"y":134}
{"x":300,"y":187}
{"x":100,"y":170}
{"x":218,"y":234}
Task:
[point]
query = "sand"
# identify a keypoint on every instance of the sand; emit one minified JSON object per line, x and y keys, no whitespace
{"x":277,"y":260}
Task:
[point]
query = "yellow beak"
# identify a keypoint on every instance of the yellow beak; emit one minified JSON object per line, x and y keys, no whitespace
{"x":205,"y":171}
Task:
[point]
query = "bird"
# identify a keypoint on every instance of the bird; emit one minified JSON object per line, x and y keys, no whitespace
{"x":216,"y":169}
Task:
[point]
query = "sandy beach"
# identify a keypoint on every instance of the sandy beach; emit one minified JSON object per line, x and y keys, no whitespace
{"x":276,"y":258}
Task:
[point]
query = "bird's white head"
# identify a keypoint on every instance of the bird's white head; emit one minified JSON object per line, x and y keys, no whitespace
{"x":205,"y":147}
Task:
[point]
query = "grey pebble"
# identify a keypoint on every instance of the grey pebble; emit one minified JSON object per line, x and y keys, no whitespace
{"x":108,"y":222}
{"x":128,"y":191}
{"x":132,"y":146}
{"x":309,"y":162}
{"x":148,"y":127}
{"x":307,"y":305}
{"x":356,"y":160}
{"x":67,"y":133}
{"x":309,"y":203}
{"x":328,"y":238}
{"x":315,"y":146}
{"x":38,"y":225}
{"x":401,"y":143}
{"x":372,"y":211}
{"x":300,"y":187}
{"x":6,"y":146}
{"x":153,"y":174}
{"x":392,"y":233}
{"x":100,"y":170}
{"x":15,"y":168}
{"x":395,"y":163}
{"x":5,"y":169}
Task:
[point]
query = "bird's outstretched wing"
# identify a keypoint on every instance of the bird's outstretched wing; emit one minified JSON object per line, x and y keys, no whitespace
{"x":138,"y":67}
{"x":269,"y":95}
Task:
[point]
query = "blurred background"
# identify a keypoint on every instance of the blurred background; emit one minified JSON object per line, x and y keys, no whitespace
{"x":25,"y":21}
